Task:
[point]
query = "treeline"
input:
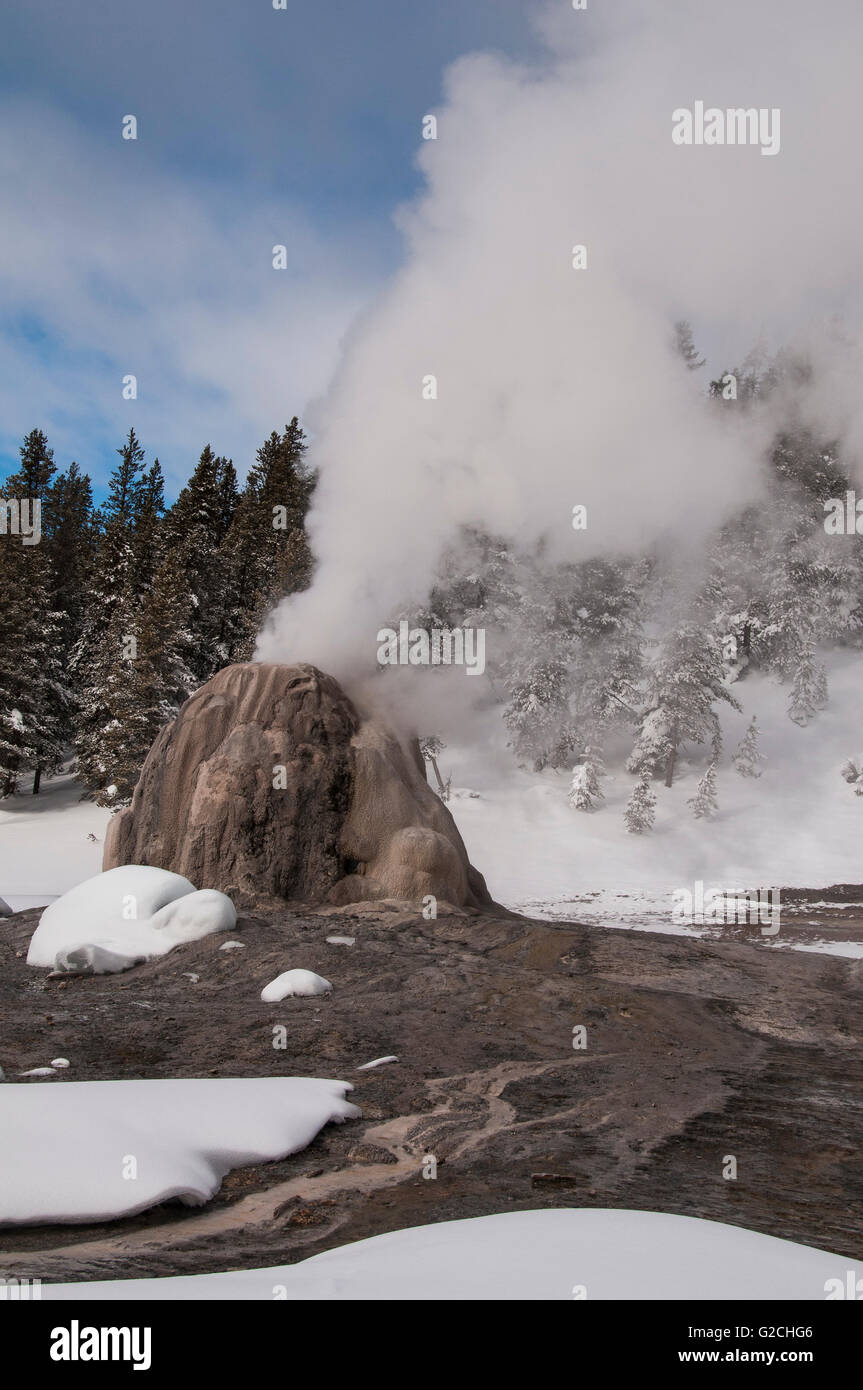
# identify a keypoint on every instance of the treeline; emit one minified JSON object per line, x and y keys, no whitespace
{"x":122,"y":610}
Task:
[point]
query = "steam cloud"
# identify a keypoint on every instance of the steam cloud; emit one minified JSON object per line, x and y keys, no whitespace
{"x":559,"y":386}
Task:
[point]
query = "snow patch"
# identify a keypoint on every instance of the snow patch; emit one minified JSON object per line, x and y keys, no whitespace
{"x":294,"y":982}
{"x":119,"y":918}
{"x":518,"y":1256}
{"x":127,"y":1145}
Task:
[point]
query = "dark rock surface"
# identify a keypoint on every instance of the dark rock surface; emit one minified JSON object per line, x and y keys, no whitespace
{"x":695,"y":1050}
{"x":350,"y":818}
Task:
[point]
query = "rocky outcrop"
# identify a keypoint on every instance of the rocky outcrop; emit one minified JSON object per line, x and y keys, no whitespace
{"x":270,"y":784}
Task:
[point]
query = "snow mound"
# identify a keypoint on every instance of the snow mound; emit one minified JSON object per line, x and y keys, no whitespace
{"x":127,"y":1145}
{"x":127,"y":915}
{"x":294,"y":982}
{"x":523,"y":1255}
{"x":378,"y":1062}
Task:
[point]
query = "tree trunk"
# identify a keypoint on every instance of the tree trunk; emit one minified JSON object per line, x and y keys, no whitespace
{"x":441,"y":787}
{"x":37,"y":778}
{"x":669,"y":767}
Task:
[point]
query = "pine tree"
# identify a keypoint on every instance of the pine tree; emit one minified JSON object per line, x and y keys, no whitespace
{"x":34,"y":695}
{"x":146,"y":683}
{"x":70,"y":542}
{"x":537,"y":715}
{"x":683,"y":686}
{"x":431,"y":748}
{"x":265,"y":554}
{"x":685,"y":345}
{"x":196,"y":526}
{"x":34,"y":473}
{"x":640,"y":810}
{"x":103,"y":659}
{"x":704,"y":803}
{"x":808,"y":689}
{"x":747,"y":756}
{"x":119,"y":576}
{"x":585,"y":790}
{"x":146,"y":523}
{"x":128,"y":488}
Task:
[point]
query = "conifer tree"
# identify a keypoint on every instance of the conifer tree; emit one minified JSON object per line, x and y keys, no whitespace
{"x":704,"y":803}
{"x":117,"y":582}
{"x":683,"y":686}
{"x":747,"y":756}
{"x":685,"y":345}
{"x":145,"y":684}
{"x":640,"y":811}
{"x":146,"y":524}
{"x":196,"y":526}
{"x":34,"y":695}
{"x":70,"y":541}
{"x":585,"y":790}
{"x":128,"y":487}
{"x":34,"y":473}
{"x":808,"y":689}
{"x":265,"y":549}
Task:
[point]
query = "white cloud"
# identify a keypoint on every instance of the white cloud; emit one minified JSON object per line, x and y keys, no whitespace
{"x":114,"y":267}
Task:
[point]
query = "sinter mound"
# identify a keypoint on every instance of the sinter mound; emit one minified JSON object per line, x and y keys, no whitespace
{"x":270,"y":784}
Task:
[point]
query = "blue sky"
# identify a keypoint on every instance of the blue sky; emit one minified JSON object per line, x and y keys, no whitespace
{"x":153,"y":257}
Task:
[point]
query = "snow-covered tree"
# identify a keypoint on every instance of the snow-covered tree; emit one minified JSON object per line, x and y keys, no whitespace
{"x":34,"y":691}
{"x":196,"y":526}
{"x":640,"y":809}
{"x":685,"y":346}
{"x":34,"y":687}
{"x":808,"y":689}
{"x":704,"y":803}
{"x":147,"y":681}
{"x":585,"y":790}
{"x":265,"y":554}
{"x":68,"y":529}
{"x":682,"y":688}
{"x":538,"y":711}
{"x":747,"y":757}
{"x":852,"y":772}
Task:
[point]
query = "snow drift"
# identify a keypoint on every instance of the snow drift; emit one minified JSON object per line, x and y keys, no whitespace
{"x":98,"y":1150}
{"x":524,"y":1255}
{"x":124,"y":916}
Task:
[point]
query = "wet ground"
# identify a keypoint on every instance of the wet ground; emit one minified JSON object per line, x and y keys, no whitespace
{"x":696,"y":1050}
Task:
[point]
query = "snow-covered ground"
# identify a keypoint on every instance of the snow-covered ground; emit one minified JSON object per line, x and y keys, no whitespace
{"x":49,"y":842}
{"x":97,"y":1150}
{"x":525,"y":1255}
{"x":799,"y":824}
